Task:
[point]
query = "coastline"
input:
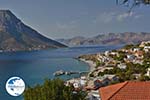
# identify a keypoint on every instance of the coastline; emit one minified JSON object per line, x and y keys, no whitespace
{"x":90,"y":63}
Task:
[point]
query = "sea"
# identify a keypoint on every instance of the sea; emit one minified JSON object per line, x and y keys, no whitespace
{"x":36,"y":66}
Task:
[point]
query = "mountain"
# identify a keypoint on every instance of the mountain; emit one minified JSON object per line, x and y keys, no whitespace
{"x":16,"y":36}
{"x":108,"y":39}
{"x":73,"y":41}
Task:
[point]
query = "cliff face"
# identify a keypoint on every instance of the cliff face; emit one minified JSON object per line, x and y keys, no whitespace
{"x":16,"y":36}
{"x":108,"y":39}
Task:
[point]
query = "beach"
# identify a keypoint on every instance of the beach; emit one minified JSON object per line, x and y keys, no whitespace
{"x":90,"y":63}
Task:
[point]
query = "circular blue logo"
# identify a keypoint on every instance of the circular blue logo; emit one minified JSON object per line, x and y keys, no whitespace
{"x":15,"y":86}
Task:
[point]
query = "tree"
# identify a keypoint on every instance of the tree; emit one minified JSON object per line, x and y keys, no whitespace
{"x":144,"y":78}
{"x":135,"y":2}
{"x":132,"y":3}
{"x":53,"y":90}
{"x":129,"y":46}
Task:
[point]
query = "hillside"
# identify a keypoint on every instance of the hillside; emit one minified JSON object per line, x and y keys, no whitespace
{"x":16,"y":36}
{"x":108,"y":39}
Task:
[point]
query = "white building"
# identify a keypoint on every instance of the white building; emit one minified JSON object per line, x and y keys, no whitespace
{"x":136,"y":49}
{"x":122,"y":66}
{"x":93,"y":95}
{"x":146,"y":48}
{"x":130,"y":57}
{"x":107,"y":53}
{"x":148,"y":72}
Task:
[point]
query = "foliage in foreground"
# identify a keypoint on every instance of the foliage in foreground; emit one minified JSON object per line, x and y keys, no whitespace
{"x":53,"y":90}
{"x":133,"y":3}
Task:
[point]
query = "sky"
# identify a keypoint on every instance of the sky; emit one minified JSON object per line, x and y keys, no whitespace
{"x":68,"y":18}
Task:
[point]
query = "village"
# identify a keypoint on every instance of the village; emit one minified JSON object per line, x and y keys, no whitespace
{"x":130,"y":63}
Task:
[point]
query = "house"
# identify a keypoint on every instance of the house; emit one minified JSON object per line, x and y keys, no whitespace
{"x":139,"y":54}
{"x":114,"y":53}
{"x":107,"y":53}
{"x":122,"y":66}
{"x":124,"y":50}
{"x":130,"y":57}
{"x":148,"y":72}
{"x":93,"y":95}
{"x":137,"y":76}
{"x":102,"y":58}
{"x":138,"y":61}
{"x":97,"y":84}
{"x":83,"y":81}
{"x":136,"y":49}
{"x":111,"y":77}
{"x":104,"y":80}
{"x":146,"y":48}
{"x":77,"y":82}
{"x":144,"y":43}
{"x":129,"y":90}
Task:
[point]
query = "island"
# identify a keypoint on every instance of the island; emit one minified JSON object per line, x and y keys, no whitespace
{"x":16,"y":36}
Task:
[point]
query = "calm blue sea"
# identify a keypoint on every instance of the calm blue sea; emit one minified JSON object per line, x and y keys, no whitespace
{"x":33,"y":67}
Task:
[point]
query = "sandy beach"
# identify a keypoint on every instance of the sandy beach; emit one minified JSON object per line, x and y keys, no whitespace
{"x":90,"y":63}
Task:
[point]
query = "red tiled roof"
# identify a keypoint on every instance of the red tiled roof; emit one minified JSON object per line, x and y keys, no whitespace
{"x":131,"y":90}
{"x":139,"y":53}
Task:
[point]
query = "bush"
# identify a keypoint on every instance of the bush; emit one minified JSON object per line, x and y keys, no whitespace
{"x":53,"y":90}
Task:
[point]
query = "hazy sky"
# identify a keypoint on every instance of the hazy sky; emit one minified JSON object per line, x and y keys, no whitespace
{"x":68,"y":18}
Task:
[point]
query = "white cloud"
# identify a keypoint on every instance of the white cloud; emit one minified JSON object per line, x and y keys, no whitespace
{"x":123,"y":16}
{"x":108,"y":17}
{"x":105,"y":17}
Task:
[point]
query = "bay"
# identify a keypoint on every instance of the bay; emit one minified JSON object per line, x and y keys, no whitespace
{"x":34,"y":66}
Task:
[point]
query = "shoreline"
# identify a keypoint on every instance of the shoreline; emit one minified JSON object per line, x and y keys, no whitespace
{"x":90,"y":63}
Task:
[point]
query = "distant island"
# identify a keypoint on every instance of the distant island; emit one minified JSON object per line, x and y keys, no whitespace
{"x":108,"y":39}
{"x":16,"y":36}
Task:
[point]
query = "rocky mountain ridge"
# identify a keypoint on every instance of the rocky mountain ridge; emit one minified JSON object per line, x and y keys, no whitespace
{"x":16,"y":36}
{"x":108,"y":39}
